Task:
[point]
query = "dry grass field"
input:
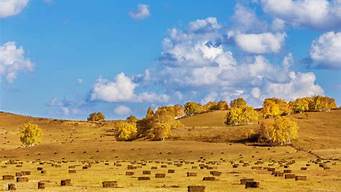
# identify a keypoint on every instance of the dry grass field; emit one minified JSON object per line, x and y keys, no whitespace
{"x":204,"y":153}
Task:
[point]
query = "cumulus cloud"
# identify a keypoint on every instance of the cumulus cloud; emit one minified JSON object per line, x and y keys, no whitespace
{"x":318,"y":14}
{"x":325,"y":51}
{"x":11,"y":7}
{"x":122,"y":110}
{"x":141,"y":12}
{"x":260,"y":43}
{"x":122,"y":89}
{"x":13,"y":60}
{"x":66,"y":107}
{"x":201,"y":65}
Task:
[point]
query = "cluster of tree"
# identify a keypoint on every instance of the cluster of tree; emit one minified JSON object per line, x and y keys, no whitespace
{"x":30,"y":134}
{"x":240,"y":113}
{"x":278,"y":131}
{"x":273,"y":107}
{"x":192,"y":108}
{"x":97,"y":116}
{"x":157,"y":125}
{"x":313,"y":104}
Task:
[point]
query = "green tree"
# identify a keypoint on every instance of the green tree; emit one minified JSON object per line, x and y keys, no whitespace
{"x":125,"y":131}
{"x":99,"y":116}
{"x":30,"y":134}
{"x":279,"y":131}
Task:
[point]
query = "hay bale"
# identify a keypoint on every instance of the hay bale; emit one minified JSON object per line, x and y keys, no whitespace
{"x":304,"y":168}
{"x":130,"y":167}
{"x":272,"y":169}
{"x":146,"y":172}
{"x":215,"y":173}
{"x":171,"y":171}
{"x":22,"y":179}
{"x":160,"y":175}
{"x":287,"y":171}
{"x":129,"y":173}
{"x":244,"y":180}
{"x":301,"y":178}
{"x":7,"y":177}
{"x":196,"y":188}
{"x":209,"y":179}
{"x":72,"y":171}
{"x":277,"y":174}
{"x":191,"y":174}
{"x":40,"y":168}
{"x":289,"y":176}
{"x":18,"y":174}
{"x":143,"y":178}
{"x":41,"y":185}
{"x":109,"y":184}
{"x":251,"y":184}
{"x":65,"y":182}
{"x":11,"y":187}
{"x":26,"y":172}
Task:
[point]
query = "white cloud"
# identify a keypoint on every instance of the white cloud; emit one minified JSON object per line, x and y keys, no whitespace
{"x":141,"y":12}
{"x":325,"y":51}
{"x":200,"y":63}
{"x":319,"y":14}
{"x":122,"y":89}
{"x":260,"y":43}
{"x":11,"y":7}
{"x":66,"y":107}
{"x":208,"y":24}
{"x":122,"y":110}
{"x":13,"y":60}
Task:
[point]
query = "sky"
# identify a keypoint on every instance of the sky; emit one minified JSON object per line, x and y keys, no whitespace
{"x":65,"y":59}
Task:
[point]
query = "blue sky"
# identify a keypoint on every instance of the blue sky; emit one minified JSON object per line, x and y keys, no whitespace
{"x":64,"y":59}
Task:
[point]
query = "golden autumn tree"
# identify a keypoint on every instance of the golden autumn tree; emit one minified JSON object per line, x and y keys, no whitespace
{"x":322,"y":103}
{"x":279,"y":131}
{"x":125,"y":130}
{"x":240,"y":113}
{"x":300,"y":105}
{"x":273,"y":107}
{"x":192,"y":108}
{"x":97,"y":116}
{"x":30,"y":134}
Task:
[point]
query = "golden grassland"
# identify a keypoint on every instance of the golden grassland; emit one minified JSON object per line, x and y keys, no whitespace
{"x":205,"y":140}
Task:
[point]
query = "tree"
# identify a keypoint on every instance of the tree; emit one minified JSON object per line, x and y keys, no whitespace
{"x":150,"y":113}
{"x":125,"y":131}
{"x":321,"y":103}
{"x":30,"y":134}
{"x":280,"y":131}
{"x":241,"y":115}
{"x":99,"y":116}
{"x":239,"y":102}
{"x":222,"y":105}
{"x":300,"y":105}
{"x":132,"y":119}
{"x":273,"y":107}
{"x":192,"y":108}
{"x":161,"y":130}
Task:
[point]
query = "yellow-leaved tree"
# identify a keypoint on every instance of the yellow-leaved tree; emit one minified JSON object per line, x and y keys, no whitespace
{"x":300,"y":105}
{"x":279,"y":131}
{"x":125,"y":130}
{"x":273,"y":107}
{"x":240,"y":113}
{"x":30,"y":134}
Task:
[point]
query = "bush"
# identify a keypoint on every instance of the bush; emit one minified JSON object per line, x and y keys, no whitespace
{"x":241,"y":115}
{"x":125,"y":131}
{"x":30,"y":134}
{"x":99,"y":116}
{"x":280,"y":131}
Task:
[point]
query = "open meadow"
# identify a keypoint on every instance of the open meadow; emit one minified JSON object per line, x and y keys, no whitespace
{"x":80,"y":156}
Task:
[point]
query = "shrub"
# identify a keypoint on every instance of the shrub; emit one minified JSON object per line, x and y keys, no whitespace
{"x":279,"y":131}
{"x":99,"y":116}
{"x":192,"y":108}
{"x":125,"y":130}
{"x":161,"y":130}
{"x":30,"y":134}
{"x":241,"y":115}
